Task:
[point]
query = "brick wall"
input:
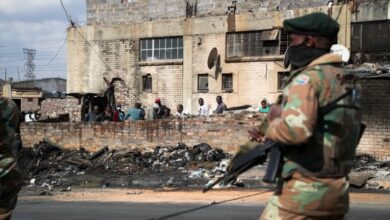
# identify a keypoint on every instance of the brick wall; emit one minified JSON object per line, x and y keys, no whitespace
{"x":74,"y":110}
{"x":252,"y":81}
{"x":111,"y":12}
{"x":52,"y":108}
{"x":376,"y":115}
{"x":119,"y":57}
{"x":226,"y":132}
{"x":90,"y":61}
{"x":167,"y":84}
{"x":29,"y":104}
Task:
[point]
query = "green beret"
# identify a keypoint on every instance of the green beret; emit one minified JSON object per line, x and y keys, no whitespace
{"x":316,"y":24}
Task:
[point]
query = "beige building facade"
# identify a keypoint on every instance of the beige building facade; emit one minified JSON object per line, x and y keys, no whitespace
{"x":166,"y":57}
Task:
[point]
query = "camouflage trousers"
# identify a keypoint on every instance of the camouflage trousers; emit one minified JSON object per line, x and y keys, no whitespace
{"x":10,"y":185}
{"x":273,"y":212}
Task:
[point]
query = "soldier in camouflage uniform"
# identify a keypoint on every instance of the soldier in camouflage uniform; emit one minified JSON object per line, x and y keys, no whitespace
{"x":318,"y":147}
{"x":10,"y":178}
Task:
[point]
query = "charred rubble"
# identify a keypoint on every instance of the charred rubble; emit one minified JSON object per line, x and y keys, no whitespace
{"x":48,"y":165}
{"x":369,"y":173}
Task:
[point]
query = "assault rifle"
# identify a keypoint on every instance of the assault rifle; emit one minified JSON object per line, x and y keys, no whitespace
{"x":254,"y":157}
{"x":258,"y":155}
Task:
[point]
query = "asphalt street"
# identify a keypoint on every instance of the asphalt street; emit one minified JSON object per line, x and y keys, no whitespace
{"x":38,"y":210}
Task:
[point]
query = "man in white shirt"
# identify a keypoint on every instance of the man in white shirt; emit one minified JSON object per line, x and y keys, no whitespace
{"x":180,"y":112}
{"x":203,"y":109}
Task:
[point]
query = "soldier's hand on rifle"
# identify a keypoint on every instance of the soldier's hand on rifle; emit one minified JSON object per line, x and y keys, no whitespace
{"x":243,"y":149}
{"x":256,"y":135}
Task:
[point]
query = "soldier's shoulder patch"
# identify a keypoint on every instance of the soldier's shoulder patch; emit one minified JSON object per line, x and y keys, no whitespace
{"x":301,"y":80}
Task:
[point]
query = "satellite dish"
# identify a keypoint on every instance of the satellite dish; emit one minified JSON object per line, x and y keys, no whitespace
{"x":342,"y":51}
{"x":213,"y":56}
{"x":214,"y":60}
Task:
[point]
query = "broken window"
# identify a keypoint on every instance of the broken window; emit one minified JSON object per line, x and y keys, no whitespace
{"x":370,"y":36}
{"x":282,"y":79}
{"x":256,"y":43}
{"x":203,"y":83}
{"x":147,"y":83}
{"x":165,"y":48}
{"x":191,"y":8}
{"x":227,"y":82}
{"x":284,"y":41}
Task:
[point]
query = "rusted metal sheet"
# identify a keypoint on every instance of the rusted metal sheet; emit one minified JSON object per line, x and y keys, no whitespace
{"x":231,"y":22}
{"x":269,"y":34}
{"x":370,"y":36}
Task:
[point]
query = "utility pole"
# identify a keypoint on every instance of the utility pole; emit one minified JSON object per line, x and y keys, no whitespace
{"x":5,"y":74}
{"x":29,"y":65}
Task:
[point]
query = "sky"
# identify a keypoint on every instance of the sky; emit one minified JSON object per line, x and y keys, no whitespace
{"x":40,"y":25}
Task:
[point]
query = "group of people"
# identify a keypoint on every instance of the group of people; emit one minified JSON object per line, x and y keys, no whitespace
{"x":115,"y":114}
{"x":157,"y":111}
{"x":203,"y":109}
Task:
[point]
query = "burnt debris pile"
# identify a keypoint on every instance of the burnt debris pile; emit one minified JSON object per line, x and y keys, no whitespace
{"x":49,"y":164}
{"x":369,"y":173}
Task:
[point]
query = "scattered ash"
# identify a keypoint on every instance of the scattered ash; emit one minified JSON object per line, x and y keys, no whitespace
{"x":368,"y":173}
{"x":47,"y":165}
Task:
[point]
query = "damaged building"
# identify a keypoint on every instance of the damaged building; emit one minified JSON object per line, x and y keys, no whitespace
{"x":46,"y":96}
{"x":179,"y":51}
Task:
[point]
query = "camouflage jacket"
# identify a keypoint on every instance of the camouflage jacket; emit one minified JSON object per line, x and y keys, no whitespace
{"x":9,"y":119}
{"x":319,"y":148}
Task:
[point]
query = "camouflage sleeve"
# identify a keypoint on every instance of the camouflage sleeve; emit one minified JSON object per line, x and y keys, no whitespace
{"x":10,"y":177}
{"x":9,"y":113}
{"x":299,"y":114}
{"x":9,"y":119}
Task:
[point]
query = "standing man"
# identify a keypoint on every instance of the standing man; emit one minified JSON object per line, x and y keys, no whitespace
{"x":180,"y":112}
{"x":136,"y":113}
{"x":94,"y":115}
{"x":107,"y":115}
{"x":221,"y":106}
{"x":318,"y":146}
{"x":110,"y":92}
{"x":203,"y":110}
{"x":160,"y":110}
{"x":10,"y":178}
{"x":119,"y":115}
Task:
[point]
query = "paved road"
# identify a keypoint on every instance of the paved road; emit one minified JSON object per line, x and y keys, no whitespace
{"x":33,"y":210}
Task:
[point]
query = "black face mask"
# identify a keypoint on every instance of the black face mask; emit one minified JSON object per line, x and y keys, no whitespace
{"x":301,"y":55}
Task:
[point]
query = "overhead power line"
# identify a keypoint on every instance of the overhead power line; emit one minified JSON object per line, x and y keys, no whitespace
{"x":57,"y":52}
{"x":6,"y":44}
{"x":72,"y":23}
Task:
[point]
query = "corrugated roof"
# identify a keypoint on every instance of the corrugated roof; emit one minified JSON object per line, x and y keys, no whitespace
{"x":48,"y":84}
